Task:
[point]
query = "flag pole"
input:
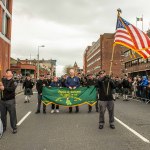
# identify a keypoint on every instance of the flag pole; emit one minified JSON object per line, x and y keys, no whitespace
{"x":112,"y":56}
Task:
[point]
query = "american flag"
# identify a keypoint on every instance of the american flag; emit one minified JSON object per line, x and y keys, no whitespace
{"x":130,"y":36}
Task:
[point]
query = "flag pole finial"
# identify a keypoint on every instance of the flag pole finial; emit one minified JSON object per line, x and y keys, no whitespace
{"x":119,"y":11}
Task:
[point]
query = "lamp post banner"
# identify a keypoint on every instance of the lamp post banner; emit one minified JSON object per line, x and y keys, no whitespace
{"x":67,"y":97}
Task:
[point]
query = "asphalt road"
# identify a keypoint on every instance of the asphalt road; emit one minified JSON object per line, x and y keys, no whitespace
{"x":80,"y":131}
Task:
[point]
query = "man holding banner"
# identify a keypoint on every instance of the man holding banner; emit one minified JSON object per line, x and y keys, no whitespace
{"x":72,"y":82}
{"x":39,"y":86}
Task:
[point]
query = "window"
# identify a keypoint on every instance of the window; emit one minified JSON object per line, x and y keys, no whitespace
{"x":142,"y":60}
{"x":128,"y":64}
{"x":135,"y":62}
{"x":127,"y":53}
{"x":148,"y":60}
{"x":7,"y":4}
{"x":5,"y":23}
{"x":4,"y":2}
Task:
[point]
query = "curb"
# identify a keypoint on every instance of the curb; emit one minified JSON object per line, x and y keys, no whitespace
{"x":18,"y":93}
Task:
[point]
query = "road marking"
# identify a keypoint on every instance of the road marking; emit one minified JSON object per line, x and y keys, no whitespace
{"x":133,"y":131}
{"x":22,"y":120}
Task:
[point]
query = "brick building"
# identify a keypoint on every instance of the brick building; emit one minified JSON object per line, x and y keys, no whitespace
{"x":134,"y":64}
{"x":30,"y":66}
{"x":98,"y":56}
{"x":5,"y":34}
{"x":22,"y":68}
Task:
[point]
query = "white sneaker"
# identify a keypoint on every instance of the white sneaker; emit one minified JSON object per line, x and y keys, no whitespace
{"x":52,"y":111}
{"x":57,"y":110}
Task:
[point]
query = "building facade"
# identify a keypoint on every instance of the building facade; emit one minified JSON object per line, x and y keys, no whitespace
{"x":5,"y":34}
{"x":22,"y":68}
{"x":134,"y":64}
{"x":98,"y":56}
{"x":30,"y":66}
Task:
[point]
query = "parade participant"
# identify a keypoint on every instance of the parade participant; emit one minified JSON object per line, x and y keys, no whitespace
{"x":72,"y":82}
{"x":28,"y":85}
{"x":81,"y":79}
{"x":130,"y":86}
{"x":90,"y":82}
{"x":7,"y":102}
{"x":39,"y":86}
{"x":114,"y":90}
{"x":126,"y":86}
{"x":106,"y":86}
{"x":63,"y":80}
{"x":118,"y":87}
{"x":55,"y":83}
{"x":97,"y":92}
{"x":49,"y":80}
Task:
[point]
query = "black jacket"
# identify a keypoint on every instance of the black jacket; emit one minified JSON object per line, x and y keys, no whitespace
{"x":125,"y":83}
{"x":28,"y":84}
{"x":9,"y":89}
{"x":63,"y":82}
{"x":40,"y":84}
{"x":48,"y":82}
{"x":90,"y":82}
{"x":103,"y":84}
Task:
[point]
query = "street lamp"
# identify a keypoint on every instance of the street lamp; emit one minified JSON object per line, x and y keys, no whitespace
{"x":38,"y":65}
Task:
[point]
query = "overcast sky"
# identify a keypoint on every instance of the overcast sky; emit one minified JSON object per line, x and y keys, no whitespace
{"x":67,"y":27}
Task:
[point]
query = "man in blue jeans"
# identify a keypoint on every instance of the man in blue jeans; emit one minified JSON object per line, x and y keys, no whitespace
{"x":72,"y":82}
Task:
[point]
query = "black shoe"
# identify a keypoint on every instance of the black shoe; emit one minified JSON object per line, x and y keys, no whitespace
{"x":101,"y":126}
{"x":28,"y":101}
{"x":25,"y":101}
{"x":44,"y":112}
{"x":112,"y":126}
{"x":37,"y":112}
{"x":14,"y":131}
{"x":96,"y":110}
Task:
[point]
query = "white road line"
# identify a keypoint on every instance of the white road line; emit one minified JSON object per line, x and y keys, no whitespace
{"x":133,"y":131}
{"x":21,"y":121}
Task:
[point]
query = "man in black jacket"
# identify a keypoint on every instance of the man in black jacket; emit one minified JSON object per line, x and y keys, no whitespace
{"x":90,"y":82}
{"x":28,"y":85}
{"x":7,"y":102}
{"x":126,"y":86}
{"x":39,"y":86}
{"x":106,"y":86}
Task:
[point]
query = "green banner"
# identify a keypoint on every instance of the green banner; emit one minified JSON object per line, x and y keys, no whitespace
{"x":67,"y":97}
